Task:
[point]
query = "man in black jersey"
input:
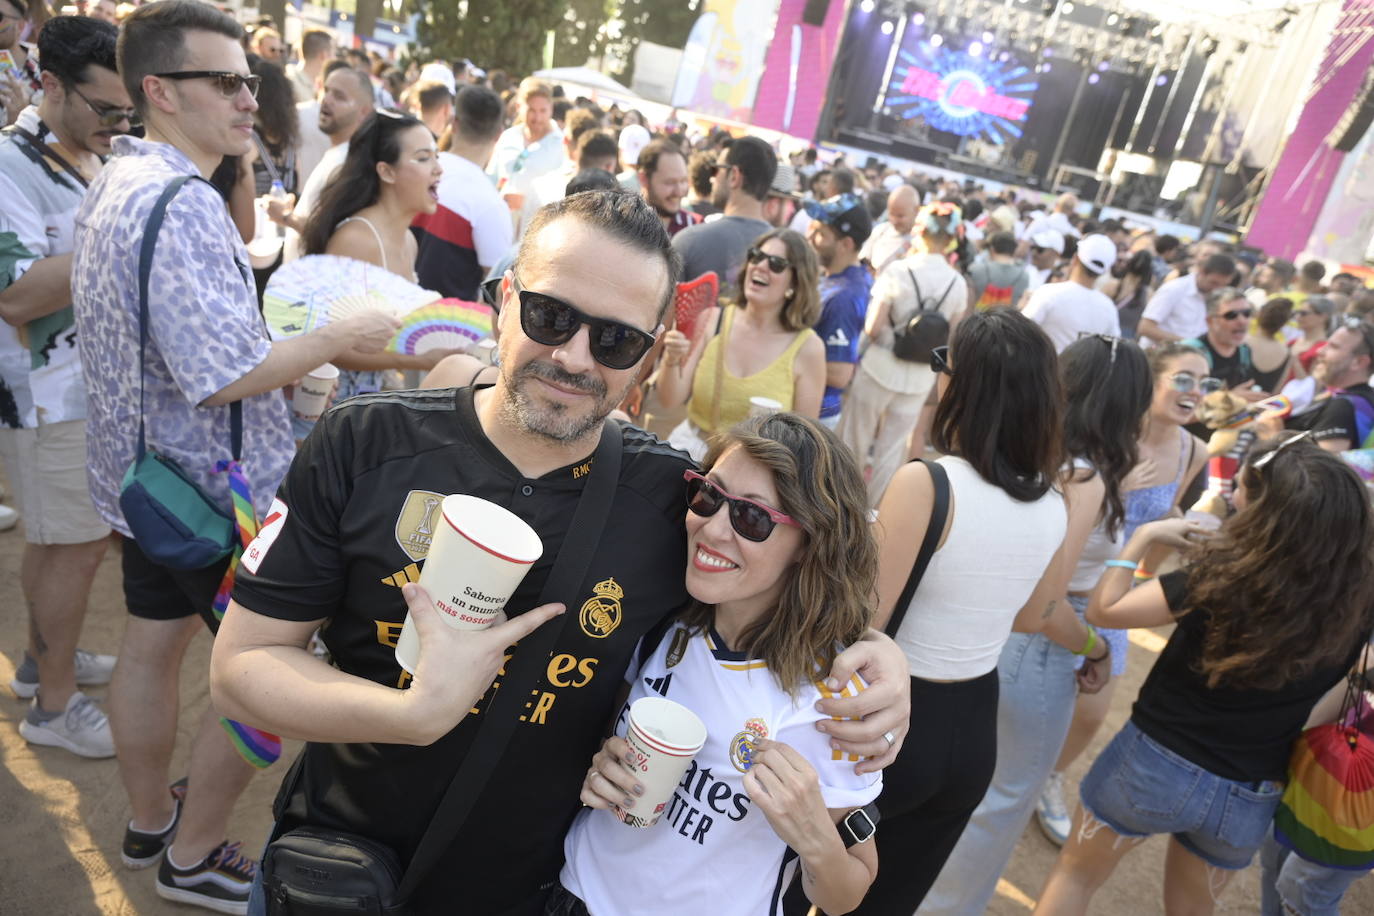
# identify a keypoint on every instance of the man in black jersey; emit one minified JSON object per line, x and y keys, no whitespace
{"x":344,"y":539}
{"x":1344,"y":416}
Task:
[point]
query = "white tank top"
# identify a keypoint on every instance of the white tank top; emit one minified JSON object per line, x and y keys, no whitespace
{"x":996,"y":552}
{"x":1097,"y":550}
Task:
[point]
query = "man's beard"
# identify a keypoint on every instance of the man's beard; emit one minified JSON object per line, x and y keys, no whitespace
{"x":555,"y":421}
{"x":720,"y":195}
{"x":662,"y":211}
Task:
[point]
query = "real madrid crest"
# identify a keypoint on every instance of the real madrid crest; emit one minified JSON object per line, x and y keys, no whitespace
{"x":415,"y":524}
{"x":742,"y":745}
{"x":600,"y":615}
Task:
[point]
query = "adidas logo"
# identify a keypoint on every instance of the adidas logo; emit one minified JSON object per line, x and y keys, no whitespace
{"x":838,"y":339}
{"x":410,"y":574}
{"x":660,"y":685}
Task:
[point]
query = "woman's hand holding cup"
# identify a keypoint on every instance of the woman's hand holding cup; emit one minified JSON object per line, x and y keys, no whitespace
{"x":610,"y":782}
{"x":457,"y":666}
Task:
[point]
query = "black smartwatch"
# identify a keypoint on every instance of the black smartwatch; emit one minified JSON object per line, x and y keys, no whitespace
{"x":859,"y":825}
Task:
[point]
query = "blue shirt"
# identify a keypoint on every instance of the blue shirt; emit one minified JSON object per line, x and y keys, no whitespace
{"x":844,"y":304}
{"x":204,"y":331}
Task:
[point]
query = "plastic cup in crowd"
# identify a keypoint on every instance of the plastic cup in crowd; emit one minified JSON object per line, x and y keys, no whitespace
{"x":664,"y":737}
{"x":479,"y":554}
{"x":762,"y":407}
{"x":312,"y":394}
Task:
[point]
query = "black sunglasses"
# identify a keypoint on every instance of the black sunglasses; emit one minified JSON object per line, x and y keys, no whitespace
{"x":553,"y":322}
{"x":1236,"y":313}
{"x":939,"y":360}
{"x":752,"y":521}
{"x":226,"y":81}
{"x":109,"y":115}
{"x":775,"y":263}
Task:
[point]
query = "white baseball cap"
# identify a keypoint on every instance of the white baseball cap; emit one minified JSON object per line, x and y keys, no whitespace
{"x":633,"y":138}
{"x":1097,"y":253}
{"x":1052,"y":239}
{"x":439,"y":73}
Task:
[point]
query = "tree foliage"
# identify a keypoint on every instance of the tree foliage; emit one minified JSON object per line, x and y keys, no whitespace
{"x":505,"y":34}
{"x":664,"y":22}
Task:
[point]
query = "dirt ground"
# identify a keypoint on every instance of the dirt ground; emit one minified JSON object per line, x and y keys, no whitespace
{"x":64,"y":816}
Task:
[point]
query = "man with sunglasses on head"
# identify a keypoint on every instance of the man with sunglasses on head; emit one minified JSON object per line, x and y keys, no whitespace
{"x":1343,"y":417}
{"x":184,"y":69}
{"x":579,"y":310}
{"x":47,"y":159}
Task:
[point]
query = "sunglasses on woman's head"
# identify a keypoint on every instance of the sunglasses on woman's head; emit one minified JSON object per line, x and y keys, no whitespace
{"x":751,"y":521}
{"x":553,"y":322}
{"x":226,"y":81}
{"x":775,"y":263}
{"x":1262,"y":460}
{"x":1186,"y":381}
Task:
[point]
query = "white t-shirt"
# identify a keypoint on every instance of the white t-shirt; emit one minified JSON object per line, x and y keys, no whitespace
{"x":712,"y":850}
{"x":942,"y":289}
{"x":512,"y":160}
{"x":314,"y":142}
{"x":319,"y":179}
{"x":1179,"y":308}
{"x":1066,"y":310}
{"x":885,"y":246}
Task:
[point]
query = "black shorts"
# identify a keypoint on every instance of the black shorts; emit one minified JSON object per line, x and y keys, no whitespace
{"x":156,"y":592}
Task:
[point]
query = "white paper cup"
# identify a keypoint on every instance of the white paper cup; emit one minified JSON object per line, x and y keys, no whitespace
{"x":479,"y":554}
{"x":312,"y":394}
{"x":762,"y":407}
{"x":664,"y":737}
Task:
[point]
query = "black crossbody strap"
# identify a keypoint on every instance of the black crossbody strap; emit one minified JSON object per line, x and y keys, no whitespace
{"x":525,"y":667}
{"x":145,"y":269}
{"x":939,"y":513}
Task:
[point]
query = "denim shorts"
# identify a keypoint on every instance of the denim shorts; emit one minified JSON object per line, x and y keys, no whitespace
{"x":1138,"y":787}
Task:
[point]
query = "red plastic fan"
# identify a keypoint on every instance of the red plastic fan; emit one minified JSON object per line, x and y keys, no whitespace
{"x":693,"y":298}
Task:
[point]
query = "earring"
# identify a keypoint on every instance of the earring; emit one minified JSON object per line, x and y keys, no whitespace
{"x":790,"y":292}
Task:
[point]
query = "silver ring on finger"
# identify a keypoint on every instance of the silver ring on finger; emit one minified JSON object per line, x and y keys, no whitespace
{"x":891,"y":738}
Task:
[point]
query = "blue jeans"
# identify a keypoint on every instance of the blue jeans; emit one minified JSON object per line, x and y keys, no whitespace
{"x":1138,"y":787}
{"x":257,"y":895}
{"x":1037,"y":686}
{"x":1292,"y":886}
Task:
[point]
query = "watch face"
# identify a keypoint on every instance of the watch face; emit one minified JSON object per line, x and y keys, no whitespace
{"x":860,"y":825}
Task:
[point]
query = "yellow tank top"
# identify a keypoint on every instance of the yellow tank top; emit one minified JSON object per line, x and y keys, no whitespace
{"x":773,"y":381}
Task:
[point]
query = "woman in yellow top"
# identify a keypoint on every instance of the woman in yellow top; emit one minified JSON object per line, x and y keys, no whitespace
{"x":769,"y":348}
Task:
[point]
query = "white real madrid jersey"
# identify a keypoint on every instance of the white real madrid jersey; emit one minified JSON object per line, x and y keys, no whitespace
{"x":712,"y":850}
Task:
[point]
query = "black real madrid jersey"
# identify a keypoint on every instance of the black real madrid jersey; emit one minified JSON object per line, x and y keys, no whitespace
{"x":352,"y":523}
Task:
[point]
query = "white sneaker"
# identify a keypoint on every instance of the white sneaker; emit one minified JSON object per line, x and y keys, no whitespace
{"x":92,"y":670}
{"x":8,"y":518}
{"x":81,"y":728}
{"x":1051,"y":811}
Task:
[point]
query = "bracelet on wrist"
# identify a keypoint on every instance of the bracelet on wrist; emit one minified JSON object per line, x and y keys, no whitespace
{"x":1103,"y":657}
{"x":1123,"y":564}
{"x":1092,"y":641}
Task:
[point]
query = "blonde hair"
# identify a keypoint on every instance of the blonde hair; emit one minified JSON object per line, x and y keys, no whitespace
{"x":531,"y":88}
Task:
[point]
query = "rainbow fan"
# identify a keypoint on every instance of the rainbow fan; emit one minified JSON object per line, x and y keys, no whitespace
{"x":449,"y":324}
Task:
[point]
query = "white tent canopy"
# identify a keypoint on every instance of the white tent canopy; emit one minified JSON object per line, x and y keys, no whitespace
{"x":583,"y":76}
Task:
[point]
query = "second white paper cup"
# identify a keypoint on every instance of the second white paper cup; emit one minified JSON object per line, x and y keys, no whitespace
{"x":312,"y":394}
{"x":763,"y":407}
{"x":479,"y":554}
{"x":664,"y":737}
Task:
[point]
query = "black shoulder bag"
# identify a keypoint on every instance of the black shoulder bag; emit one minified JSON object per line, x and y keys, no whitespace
{"x":311,"y":871}
{"x":939,"y":513}
{"x":914,"y":338}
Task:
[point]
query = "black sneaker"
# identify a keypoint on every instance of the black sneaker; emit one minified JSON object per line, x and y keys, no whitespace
{"x":142,"y":850}
{"x":220,"y":882}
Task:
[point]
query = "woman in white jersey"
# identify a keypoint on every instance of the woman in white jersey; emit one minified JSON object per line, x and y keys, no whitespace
{"x":1107,"y":388}
{"x":781,"y":563}
{"x":1000,"y":424}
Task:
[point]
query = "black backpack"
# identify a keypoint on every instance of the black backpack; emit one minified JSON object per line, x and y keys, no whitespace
{"x":913,"y":340}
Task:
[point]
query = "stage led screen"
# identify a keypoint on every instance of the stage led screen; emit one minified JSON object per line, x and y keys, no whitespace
{"x":962,"y":93}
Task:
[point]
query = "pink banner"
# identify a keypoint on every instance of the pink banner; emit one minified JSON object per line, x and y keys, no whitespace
{"x":797,"y":70}
{"x":1307,"y":169}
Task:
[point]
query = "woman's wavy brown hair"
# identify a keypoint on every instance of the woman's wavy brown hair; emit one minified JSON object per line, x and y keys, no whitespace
{"x":1289,"y":580}
{"x":803,"y":308}
{"x":828,"y":597}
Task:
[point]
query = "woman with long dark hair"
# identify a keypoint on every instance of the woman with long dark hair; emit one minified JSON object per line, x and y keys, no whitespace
{"x":1000,"y":423}
{"x":1107,"y":388}
{"x":1270,"y":615}
{"x":276,"y":128}
{"x":1130,"y":286}
{"x":391,"y":175}
{"x":781,"y":580}
{"x":760,"y":345}
{"x":1169,"y":456}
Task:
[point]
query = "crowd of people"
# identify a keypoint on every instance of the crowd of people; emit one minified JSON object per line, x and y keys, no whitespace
{"x":936,"y":641}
